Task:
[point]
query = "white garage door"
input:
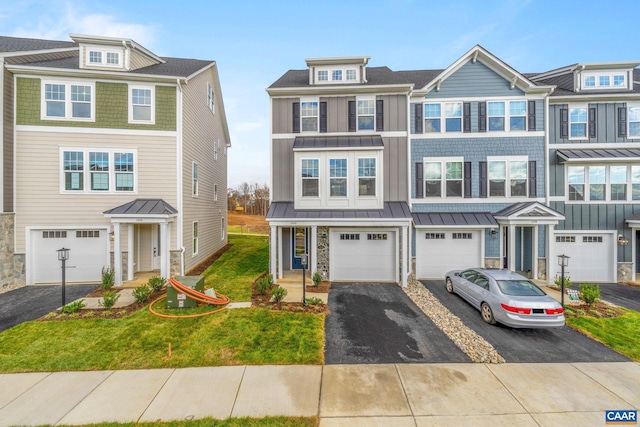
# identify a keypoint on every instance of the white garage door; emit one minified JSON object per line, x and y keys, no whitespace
{"x":439,"y":251}
{"x":363,"y":256}
{"x":591,"y":256}
{"x":87,"y":255}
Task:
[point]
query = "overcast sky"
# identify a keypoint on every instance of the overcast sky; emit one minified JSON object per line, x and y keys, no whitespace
{"x":255,"y":42}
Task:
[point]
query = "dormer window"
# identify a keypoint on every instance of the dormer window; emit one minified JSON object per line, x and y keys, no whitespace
{"x":323,"y":75}
{"x":101,"y":57}
{"x":351,"y":74}
{"x":604,"y":80}
{"x":336,"y":75}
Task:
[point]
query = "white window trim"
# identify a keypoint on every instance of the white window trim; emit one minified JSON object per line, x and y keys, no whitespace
{"x":211,"y":98}
{"x":195,"y":245}
{"x":631,"y":105}
{"x":343,"y":78}
{"x":366,"y":98}
{"x":507,"y":191}
{"x":216,"y":148}
{"x":443,"y":176}
{"x":67,"y":100}
{"x":152,"y":119}
{"x":586,"y":127}
{"x":357,"y":176}
{"x":87,"y":173}
{"x":587,"y":189}
{"x":505,"y":117}
{"x":300,"y":178}
{"x":307,"y":100}
{"x":610,"y":74}
{"x":195,"y":177}
{"x":223,"y":227}
{"x":103,"y":62}
{"x":329,"y":177}
{"x":215,"y":192}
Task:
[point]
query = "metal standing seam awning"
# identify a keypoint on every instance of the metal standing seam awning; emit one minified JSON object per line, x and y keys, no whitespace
{"x":454,"y":219}
{"x":598,"y":155}
{"x":338,"y":142}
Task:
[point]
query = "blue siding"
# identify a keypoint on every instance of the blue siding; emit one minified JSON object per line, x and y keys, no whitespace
{"x":491,"y":246}
{"x":527,"y":248}
{"x":474,"y":80}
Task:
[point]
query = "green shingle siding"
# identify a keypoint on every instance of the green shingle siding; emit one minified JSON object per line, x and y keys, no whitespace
{"x":112,"y":107}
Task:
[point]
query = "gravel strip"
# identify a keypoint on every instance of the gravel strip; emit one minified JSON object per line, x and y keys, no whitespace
{"x":476,"y":347}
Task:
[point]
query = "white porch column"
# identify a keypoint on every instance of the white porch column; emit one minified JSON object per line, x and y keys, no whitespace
{"x":117,"y":254}
{"x":534,"y":267}
{"x":551,"y":255}
{"x":167,"y":248}
{"x":280,"y":272}
{"x":633,"y":253}
{"x":273,"y":247}
{"x":501,"y":234}
{"x":130,"y":229}
{"x":313,"y":267}
{"x":164,"y":253}
{"x":511,"y":262}
{"x":404,"y":266}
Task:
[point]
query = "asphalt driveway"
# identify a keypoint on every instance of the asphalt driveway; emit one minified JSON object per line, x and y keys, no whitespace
{"x":378,"y":323}
{"x":31,"y":302}
{"x":622,"y":295}
{"x":556,"y":345}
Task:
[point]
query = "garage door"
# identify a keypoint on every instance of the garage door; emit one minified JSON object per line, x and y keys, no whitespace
{"x":591,"y":256}
{"x":87,"y":255}
{"x":363,"y":256}
{"x":439,"y":251}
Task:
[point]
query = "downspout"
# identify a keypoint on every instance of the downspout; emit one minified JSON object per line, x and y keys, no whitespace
{"x":179,"y":178}
{"x":547,"y":187}
{"x":2,"y":190}
{"x":127,"y":56}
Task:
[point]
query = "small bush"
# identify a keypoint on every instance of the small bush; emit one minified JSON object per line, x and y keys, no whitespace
{"x":108,"y":278}
{"x":317,"y":279}
{"x":109,"y":299}
{"x":269,"y":278}
{"x":157,"y":283}
{"x":558,"y":281}
{"x":590,"y":293}
{"x":262,"y":285}
{"x":142,"y":293}
{"x":278,"y":294}
{"x":73,"y":307}
{"x":314,"y":301}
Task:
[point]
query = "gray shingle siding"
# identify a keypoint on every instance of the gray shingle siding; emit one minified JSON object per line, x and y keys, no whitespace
{"x":474,"y":80}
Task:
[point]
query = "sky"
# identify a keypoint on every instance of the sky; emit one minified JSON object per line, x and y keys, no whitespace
{"x":255,"y":42}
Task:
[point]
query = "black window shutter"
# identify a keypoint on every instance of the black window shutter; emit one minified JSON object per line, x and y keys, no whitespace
{"x":418,"y":118}
{"x":592,"y":122}
{"x":323,"y":117}
{"x":379,"y":115}
{"x":352,"y":116}
{"x":419,"y":181}
{"x":531,"y":115}
{"x":482,"y":117}
{"x":533,"y":191}
{"x":467,"y":179}
{"x":622,"y":121}
{"x":296,"y":117}
{"x":564,"y":123}
{"x":483,"y":179}
{"x":466,"y":117}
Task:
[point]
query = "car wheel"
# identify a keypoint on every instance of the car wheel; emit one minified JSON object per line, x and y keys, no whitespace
{"x":487,"y":314}
{"x":449,"y":286}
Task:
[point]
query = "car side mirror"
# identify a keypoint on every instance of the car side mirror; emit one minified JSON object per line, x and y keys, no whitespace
{"x":456,"y":274}
{"x":486,"y":286}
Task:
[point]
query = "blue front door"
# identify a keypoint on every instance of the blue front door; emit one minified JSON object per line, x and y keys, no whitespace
{"x":299,"y":246}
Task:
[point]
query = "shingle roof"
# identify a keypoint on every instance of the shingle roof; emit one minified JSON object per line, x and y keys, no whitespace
{"x":18,"y":44}
{"x":337,"y":142}
{"x":143,"y":207}
{"x":481,"y":219}
{"x":391,"y":210}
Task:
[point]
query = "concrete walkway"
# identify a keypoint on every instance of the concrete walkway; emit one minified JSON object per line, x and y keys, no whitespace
{"x":341,"y":395}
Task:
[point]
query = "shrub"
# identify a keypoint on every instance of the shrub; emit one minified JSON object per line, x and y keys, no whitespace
{"x":317,"y":279}
{"x":590,"y":293}
{"x":278,"y":294}
{"x":314,"y":301}
{"x":262,"y":285}
{"x":73,"y":307}
{"x":109,"y":299}
{"x":157,"y":283}
{"x":269,"y":278}
{"x":142,"y":293}
{"x":108,"y":278}
{"x":558,"y":281}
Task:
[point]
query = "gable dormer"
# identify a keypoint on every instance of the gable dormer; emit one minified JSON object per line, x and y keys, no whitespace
{"x":332,"y":71}
{"x":604,"y":76}
{"x":113,"y":54}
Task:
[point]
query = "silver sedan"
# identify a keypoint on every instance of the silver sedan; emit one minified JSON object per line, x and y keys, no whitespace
{"x":506,"y":297}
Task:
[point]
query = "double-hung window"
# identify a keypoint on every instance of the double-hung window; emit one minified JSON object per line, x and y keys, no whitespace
{"x":635,"y":182}
{"x":575,"y":180}
{"x":367,"y":177}
{"x":309,"y":116}
{"x":195,"y":237}
{"x":338,"y":177}
{"x":210,"y":97}
{"x":67,"y":101}
{"x":366,"y":114}
{"x":123,"y":167}
{"x":443,"y":177}
{"x":73,"y":170}
{"x":578,"y":122}
{"x":432,"y":118}
{"x":517,"y":115}
{"x":98,"y":170}
{"x":508,"y":178}
{"x":310,"y":177}
{"x":496,"y":114}
{"x":618,"y":182}
{"x":634,"y":121}
{"x":453,"y":116}
{"x":597,"y":183}
{"x":141,"y":105}
{"x":194,"y":177}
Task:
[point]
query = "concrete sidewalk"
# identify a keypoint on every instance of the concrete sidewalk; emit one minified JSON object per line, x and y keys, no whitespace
{"x":341,"y":395}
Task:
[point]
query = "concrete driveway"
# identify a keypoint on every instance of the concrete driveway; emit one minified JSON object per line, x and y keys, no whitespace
{"x":378,"y":323}
{"x":31,"y":302}
{"x":556,"y":345}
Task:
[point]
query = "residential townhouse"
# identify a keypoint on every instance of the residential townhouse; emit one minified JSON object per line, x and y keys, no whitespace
{"x":112,"y":152}
{"x":479,"y":176}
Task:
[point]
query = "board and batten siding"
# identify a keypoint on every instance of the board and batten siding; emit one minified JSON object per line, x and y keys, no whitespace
{"x":39,"y":201}
{"x":282,"y":115}
{"x":282,"y":171}
{"x":202,"y":128}
{"x":395,"y":170}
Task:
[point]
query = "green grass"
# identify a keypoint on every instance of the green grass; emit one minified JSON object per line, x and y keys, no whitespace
{"x":141,"y":341}
{"x":620,"y":333}
{"x":230,"y":422}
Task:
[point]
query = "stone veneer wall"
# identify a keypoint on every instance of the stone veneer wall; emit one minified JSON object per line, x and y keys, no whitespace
{"x":175,"y":262}
{"x":12,"y":267}
{"x":624,"y":272}
{"x":492,"y":263}
{"x":542,"y":268}
{"x":322,"y":264}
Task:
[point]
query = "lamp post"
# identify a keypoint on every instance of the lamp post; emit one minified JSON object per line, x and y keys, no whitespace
{"x":63,"y":255}
{"x":563,"y":261}
{"x":304,"y":259}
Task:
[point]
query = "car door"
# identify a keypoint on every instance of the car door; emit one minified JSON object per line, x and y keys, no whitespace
{"x":465,"y":280}
{"x":478,"y":289}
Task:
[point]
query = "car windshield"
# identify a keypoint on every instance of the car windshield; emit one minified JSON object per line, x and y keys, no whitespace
{"x":519,"y":288}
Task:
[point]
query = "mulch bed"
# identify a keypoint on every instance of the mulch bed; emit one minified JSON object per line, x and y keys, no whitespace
{"x":264,"y":301}
{"x":600,"y":310}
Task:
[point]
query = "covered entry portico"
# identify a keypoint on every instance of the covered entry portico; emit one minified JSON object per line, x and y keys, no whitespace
{"x":152,"y":218}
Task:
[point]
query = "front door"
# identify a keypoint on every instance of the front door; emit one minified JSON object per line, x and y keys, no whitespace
{"x":299,"y":245}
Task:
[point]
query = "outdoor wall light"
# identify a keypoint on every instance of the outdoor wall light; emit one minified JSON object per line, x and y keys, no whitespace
{"x":493,"y":233}
{"x":622,"y":240}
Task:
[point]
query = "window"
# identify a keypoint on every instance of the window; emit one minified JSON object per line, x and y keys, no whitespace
{"x":496,"y":114}
{"x":337,"y":177}
{"x":309,"y":116}
{"x":108,"y":171}
{"x":434,"y":236}
{"x":141,"y":105}
{"x":618,"y":182}
{"x":104,"y":57}
{"x":592,"y":239}
{"x":576,"y":182}
{"x":113,"y":58}
{"x":517,"y":115}
{"x":366,"y":114}
{"x":194,"y":172}
{"x":635,"y":182}
{"x":601,"y":183}
{"x":349,"y":236}
{"x":223,"y":228}
{"x":216,"y":148}
{"x":634,"y":121}
{"x":462,"y":236}
{"x":508,"y":178}
{"x":95,"y":57}
{"x":377,"y":236}
{"x":435,"y":170}
{"x":432,"y":117}
{"x":323,"y":75}
{"x":195,"y":237}
{"x":215,"y":192}
{"x":618,"y":80}
{"x":590,"y":81}
{"x":597,"y":183}
{"x":67,"y":101}
{"x":578,"y":122}
{"x":453,"y":116}
{"x":310,"y":178}
{"x":54,"y":234}
{"x":210,"y":97}
{"x":336,"y":75}
{"x":605,"y":81}
{"x":367,"y":177}
{"x":87,"y":234}
{"x":351,"y":74}
{"x":565,"y":239}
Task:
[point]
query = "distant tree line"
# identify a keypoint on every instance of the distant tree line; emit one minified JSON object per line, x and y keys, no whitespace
{"x":249,"y":198}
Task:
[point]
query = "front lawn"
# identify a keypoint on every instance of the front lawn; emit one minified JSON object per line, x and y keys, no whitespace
{"x":229,"y":422}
